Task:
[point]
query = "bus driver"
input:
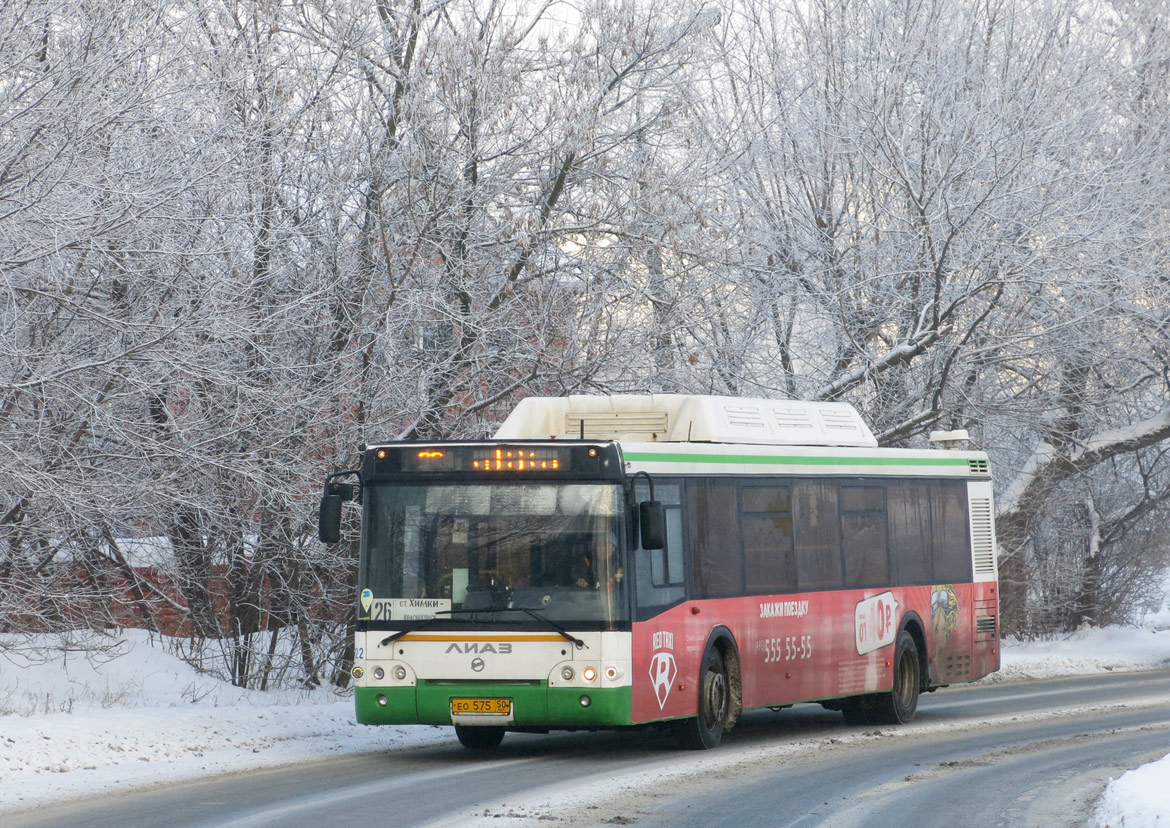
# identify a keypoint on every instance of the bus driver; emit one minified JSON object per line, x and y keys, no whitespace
{"x":600,"y":564}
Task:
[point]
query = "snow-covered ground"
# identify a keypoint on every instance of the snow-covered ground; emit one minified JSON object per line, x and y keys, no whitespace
{"x":74,"y":725}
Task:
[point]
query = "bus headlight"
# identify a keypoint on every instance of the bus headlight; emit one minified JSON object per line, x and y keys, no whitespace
{"x":379,"y":673}
{"x":567,"y":673}
{"x":357,"y":672}
{"x":400,"y":673}
{"x":589,"y":673}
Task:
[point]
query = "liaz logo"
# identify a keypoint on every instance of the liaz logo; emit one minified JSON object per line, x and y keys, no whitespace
{"x":477,"y":647}
{"x":662,"y":666}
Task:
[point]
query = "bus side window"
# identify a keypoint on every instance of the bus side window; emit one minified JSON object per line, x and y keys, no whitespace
{"x":765,"y":520}
{"x":660,"y":576}
{"x":818,"y":535}
{"x":667,"y":564}
{"x":716,"y":551}
{"x":951,"y":539}
{"x":863,"y":534}
{"x":908,"y":504}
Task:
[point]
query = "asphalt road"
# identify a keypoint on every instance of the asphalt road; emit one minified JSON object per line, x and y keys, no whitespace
{"x":1035,"y":754}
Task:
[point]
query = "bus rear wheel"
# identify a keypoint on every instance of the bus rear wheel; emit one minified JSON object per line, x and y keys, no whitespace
{"x":899,"y":705}
{"x":705,"y":731}
{"x":479,"y":738}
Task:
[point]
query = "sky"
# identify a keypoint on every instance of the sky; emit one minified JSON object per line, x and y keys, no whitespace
{"x":150,"y":718}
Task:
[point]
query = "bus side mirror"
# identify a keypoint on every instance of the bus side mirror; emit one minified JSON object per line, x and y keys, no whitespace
{"x":329,"y":517}
{"x":652,"y":523}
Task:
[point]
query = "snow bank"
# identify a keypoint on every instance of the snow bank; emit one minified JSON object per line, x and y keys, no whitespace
{"x":136,"y":716}
{"x":1085,"y":652}
{"x":1139,"y":799}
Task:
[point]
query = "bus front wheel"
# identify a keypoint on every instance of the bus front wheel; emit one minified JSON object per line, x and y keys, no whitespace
{"x":705,"y":730}
{"x":479,"y":738}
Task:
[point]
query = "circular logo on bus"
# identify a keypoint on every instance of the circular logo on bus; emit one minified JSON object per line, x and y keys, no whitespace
{"x":477,"y":665}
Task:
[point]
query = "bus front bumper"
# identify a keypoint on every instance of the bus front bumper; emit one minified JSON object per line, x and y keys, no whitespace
{"x":532,"y":705}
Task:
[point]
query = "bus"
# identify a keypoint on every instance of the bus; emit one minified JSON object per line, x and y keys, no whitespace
{"x":665,"y":560}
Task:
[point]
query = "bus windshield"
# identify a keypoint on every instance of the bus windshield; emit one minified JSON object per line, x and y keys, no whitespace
{"x":492,"y":551}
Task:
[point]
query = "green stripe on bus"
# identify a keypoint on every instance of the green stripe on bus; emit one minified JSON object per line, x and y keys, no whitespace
{"x":789,"y":460}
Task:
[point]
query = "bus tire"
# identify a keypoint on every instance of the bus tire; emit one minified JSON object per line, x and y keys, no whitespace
{"x":479,"y":738}
{"x":898,"y":706}
{"x":705,"y":730}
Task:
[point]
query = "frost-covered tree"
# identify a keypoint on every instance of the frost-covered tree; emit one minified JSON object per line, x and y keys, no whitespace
{"x":95,"y":230}
{"x":950,"y":215}
{"x":238,"y":239}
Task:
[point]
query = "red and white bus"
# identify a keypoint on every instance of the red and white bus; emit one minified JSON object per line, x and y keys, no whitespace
{"x":668,"y":560}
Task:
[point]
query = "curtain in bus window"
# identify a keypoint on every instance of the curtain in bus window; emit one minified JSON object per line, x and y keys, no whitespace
{"x":863,"y":535}
{"x":713,"y":537}
{"x":952,"y":542}
{"x":766,"y":523}
{"x":908,"y":507}
{"x":817,"y":532}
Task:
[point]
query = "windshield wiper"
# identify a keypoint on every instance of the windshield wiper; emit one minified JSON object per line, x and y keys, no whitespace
{"x":557,"y":628}
{"x":429,"y":622}
{"x":565,"y":634}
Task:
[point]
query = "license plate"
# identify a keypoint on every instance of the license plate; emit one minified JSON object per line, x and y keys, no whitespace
{"x":481,"y":707}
